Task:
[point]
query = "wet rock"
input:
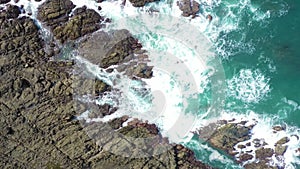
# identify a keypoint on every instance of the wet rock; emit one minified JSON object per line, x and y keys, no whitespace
{"x":115,"y":48}
{"x":278,"y":128}
{"x":37,"y":100}
{"x":259,"y":165}
{"x":12,"y":11}
{"x":140,"y":3}
{"x":245,"y":157}
{"x":282,"y":140}
{"x":55,"y":12}
{"x":263,"y":153}
{"x":117,"y":122}
{"x":84,"y":21}
{"x":241,"y":146}
{"x":209,"y":17}
{"x":188,"y":7}
{"x":280,"y":149}
{"x":4,"y":1}
{"x":101,"y":87}
{"x":227,"y":136}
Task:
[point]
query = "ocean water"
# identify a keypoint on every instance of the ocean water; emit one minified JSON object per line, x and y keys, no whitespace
{"x":257,"y":43}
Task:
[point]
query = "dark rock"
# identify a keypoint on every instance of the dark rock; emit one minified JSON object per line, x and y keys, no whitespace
{"x":9,"y":130}
{"x":259,"y":165}
{"x":118,"y":50}
{"x":4,"y":1}
{"x":55,"y":12}
{"x":37,"y":100}
{"x":278,"y":128}
{"x":227,"y":136}
{"x":140,"y":3}
{"x":188,"y":7}
{"x":241,"y":146}
{"x":245,"y":157}
{"x":117,"y":122}
{"x":84,"y":21}
{"x":13,"y":11}
{"x":263,"y":153}
{"x":209,"y":17}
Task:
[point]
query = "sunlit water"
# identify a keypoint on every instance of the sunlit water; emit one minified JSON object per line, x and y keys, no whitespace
{"x":258,"y":42}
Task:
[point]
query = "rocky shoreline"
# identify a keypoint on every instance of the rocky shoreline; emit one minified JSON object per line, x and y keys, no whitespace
{"x":38,"y":110}
{"x":235,"y":137}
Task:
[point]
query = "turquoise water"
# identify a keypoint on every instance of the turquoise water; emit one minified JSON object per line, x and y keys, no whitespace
{"x":257,"y":43}
{"x":274,"y":51}
{"x":266,"y":51}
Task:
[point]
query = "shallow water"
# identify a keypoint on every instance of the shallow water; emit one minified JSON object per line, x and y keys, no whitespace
{"x":258,"y":44}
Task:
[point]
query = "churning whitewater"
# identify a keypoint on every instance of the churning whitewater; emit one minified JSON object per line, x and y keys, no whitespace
{"x":236,"y":35}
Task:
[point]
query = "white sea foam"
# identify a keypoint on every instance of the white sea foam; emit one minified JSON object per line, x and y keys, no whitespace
{"x":247,"y":85}
{"x":263,"y":130}
{"x":250,"y":86}
{"x":29,"y":7}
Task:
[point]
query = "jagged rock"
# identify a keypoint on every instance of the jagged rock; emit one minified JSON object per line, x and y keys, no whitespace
{"x":101,"y":87}
{"x":115,"y":48}
{"x":188,"y":7}
{"x":117,"y":122}
{"x":55,"y":12}
{"x":12,"y":11}
{"x":38,"y":110}
{"x":263,"y":153}
{"x":259,"y":165}
{"x":140,"y":3}
{"x":82,"y":22}
{"x":227,"y":136}
{"x":241,"y":146}
{"x":245,"y":157}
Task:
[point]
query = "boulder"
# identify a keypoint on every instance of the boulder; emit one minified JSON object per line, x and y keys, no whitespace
{"x":280,"y":149}
{"x":188,"y":7}
{"x":245,"y":157}
{"x":227,"y":136}
{"x":264,"y":153}
{"x":140,"y":3}
{"x":283,"y":141}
